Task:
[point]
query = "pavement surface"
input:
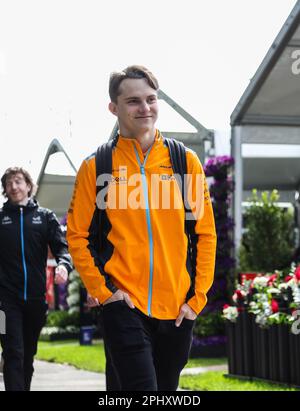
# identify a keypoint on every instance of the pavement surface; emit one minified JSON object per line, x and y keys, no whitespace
{"x":60,"y":377}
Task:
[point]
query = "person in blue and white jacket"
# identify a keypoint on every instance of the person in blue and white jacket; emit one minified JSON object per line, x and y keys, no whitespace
{"x":26,"y":230}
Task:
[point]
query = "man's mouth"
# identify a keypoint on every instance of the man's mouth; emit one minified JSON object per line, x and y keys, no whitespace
{"x":144,"y":117}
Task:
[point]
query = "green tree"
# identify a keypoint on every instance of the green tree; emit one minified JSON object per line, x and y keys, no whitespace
{"x":267,"y":243}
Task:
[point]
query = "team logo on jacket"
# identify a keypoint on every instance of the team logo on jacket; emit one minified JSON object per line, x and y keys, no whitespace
{"x":167,"y":177}
{"x":36,"y":220}
{"x":6,"y":220}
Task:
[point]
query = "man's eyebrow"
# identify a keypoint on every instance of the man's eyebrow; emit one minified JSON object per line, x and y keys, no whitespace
{"x":131,"y":98}
{"x":14,"y":179}
{"x":138,"y":98}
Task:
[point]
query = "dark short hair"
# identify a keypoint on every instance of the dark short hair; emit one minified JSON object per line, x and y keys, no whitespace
{"x":132,"y":72}
{"x":12,"y":171}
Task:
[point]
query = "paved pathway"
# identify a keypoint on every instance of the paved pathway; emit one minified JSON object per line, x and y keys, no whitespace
{"x":59,"y":377}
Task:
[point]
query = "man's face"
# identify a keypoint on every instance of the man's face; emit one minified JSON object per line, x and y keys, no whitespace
{"x":17,"y":189}
{"x":136,"y":107}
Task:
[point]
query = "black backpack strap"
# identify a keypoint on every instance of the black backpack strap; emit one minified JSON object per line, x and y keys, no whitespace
{"x":179,"y":165}
{"x":178,"y":160}
{"x":104,"y":161}
{"x":103,"y":166}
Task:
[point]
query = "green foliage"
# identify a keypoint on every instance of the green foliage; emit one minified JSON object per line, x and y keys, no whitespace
{"x":62,"y":319}
{"x":216,"y":381}
{"x":209,"y":325}
{"x":91,"y":358}
{"x":83,"y":357}
{"x":268,"y":240}
{"x":278,"y":318}
{"x":206,"y":362}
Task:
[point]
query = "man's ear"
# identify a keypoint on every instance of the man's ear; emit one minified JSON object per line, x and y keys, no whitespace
{"x":113,"y":108}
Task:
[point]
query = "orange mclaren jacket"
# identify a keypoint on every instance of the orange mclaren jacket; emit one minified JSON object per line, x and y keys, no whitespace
{"x":145,"y":249}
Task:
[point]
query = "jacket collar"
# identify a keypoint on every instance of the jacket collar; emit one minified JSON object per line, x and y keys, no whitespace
{"x":32,"y":203}
{"x":126,"y":142}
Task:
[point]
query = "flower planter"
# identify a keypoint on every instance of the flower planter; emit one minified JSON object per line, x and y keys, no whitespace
{"x":273,"y":353}
{"x":239,"y":352}
{"x":231,"y":347}
{"x":269,"y":354}
{"x":284,"y":353}
{"x":256,"y":347}
{"x":260,"y":344}
{"x":247,"y":344}
{"x":236,"y":350}
{"x":263,"y":347}
{"x":294,"y":360}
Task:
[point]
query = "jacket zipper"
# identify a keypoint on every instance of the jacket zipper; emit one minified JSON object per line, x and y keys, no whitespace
{"x":149,"y":227}
{"x":23,"y":253}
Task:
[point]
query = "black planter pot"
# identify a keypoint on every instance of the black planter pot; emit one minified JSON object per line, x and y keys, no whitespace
{"x":273,"y":353}
{"x":284,"y":354}
{"x":239,"y":349}
{"x":247,"y":344}
{"x":256,"y":345}
{"x":260,"y":351}
{"x":231,"y":347}
{"x":240,"y":345}
{"x":264,"y":357}
{"x":294,"y":360}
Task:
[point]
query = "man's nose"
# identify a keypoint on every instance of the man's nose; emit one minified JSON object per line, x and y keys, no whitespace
{"x":144,"y":106}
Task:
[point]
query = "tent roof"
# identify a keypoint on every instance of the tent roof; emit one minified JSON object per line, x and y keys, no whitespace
{"x":55,"y":190}
{"x":268,"y":173}
{"x":266,"y":101}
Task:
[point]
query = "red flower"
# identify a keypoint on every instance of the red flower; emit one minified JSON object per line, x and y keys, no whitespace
{"x":297,"y":273}
{"x":288,"y":278}
{"x":272,"y":279}
{"x":274,"y":306}
{"x":225,"y":306}
{"x":293,"y":311}
{"x":239,"y":294}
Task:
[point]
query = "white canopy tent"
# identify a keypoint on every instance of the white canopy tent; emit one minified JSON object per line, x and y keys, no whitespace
{"x":265,"y":124}
{"x":54,"y":190}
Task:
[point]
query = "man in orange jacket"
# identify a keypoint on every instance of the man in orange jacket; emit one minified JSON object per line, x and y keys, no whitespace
{"x":142,"y":274}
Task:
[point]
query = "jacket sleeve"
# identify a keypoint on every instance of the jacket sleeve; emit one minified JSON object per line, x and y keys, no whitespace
{"x":82,"y":231}
{"x":57,"y":242}
{"x":205,"y":230}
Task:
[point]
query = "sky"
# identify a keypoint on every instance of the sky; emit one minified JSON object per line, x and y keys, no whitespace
{"x":56,"y":57}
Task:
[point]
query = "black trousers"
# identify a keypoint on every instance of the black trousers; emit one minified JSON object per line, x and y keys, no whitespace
{"x":143,"y":353}
{"x":24,"y":322}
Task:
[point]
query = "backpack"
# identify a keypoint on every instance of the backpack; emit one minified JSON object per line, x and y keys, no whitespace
{"x":179,"y":165}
